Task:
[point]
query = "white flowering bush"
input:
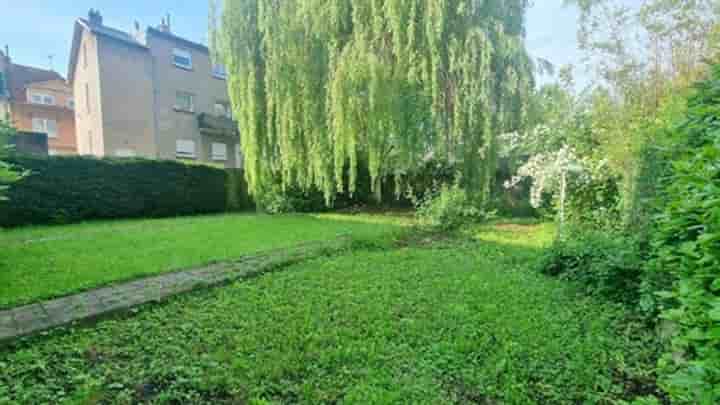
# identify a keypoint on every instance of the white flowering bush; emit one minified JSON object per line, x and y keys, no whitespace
{"x":548,"y":171}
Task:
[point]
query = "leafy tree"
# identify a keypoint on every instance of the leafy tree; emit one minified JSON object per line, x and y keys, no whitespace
{"x":7,"y":176}
{"x":642,"y":57}
{"x":320,"y":85}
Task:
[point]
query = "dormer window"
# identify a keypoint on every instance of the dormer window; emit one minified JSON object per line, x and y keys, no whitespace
{"x":182,"y":58}
{"x":219,"y":71}
{"x":40,"y":98}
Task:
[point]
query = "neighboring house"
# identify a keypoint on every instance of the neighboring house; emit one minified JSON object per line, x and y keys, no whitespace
{"x":149,"y":94}
{"x":4,"y":90}
{"x":38,"y":101}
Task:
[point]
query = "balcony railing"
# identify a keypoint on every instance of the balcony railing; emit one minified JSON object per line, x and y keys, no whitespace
{"x":214,"y":125}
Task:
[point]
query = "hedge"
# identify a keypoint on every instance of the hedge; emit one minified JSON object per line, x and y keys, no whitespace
{"x":72,"y":189}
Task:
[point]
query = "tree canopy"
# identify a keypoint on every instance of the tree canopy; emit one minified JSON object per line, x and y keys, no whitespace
{"x":319,"y":86}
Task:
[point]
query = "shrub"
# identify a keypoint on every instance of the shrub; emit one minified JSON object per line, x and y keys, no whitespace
{"x":687,"y":244}
{"x":448,"y":209}
{"x":71,"y":189}
{"x":607,"y":264}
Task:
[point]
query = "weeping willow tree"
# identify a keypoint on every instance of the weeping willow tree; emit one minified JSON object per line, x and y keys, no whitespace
{"x":319,"y":86}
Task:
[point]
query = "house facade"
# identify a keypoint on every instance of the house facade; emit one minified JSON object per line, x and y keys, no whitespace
{"x":40,"y":101}
{"x":4,"y":88}
{"x":150,"y":94}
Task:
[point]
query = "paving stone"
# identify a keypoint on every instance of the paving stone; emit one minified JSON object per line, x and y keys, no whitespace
{"x":73,"y":308}
{"x":28,"y":312}
{"x":7,"y":326}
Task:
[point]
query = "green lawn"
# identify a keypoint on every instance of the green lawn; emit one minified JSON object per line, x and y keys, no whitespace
{"x":44,"y":262}
{"x":463,"y":320}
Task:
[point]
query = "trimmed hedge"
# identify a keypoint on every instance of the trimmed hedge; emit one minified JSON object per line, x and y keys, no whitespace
{"x":71,"y":189}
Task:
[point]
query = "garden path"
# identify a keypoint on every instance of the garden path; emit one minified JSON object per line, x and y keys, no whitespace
{"x":93,"y":304}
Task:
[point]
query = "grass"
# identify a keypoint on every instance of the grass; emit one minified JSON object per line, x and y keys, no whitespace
{"x":442,"y":320}
{"x":44,"y":262}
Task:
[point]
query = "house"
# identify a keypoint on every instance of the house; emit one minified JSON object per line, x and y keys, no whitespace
{"x":149,"y":93}
{"x":4,"y":90}
{"x":38,"y":101}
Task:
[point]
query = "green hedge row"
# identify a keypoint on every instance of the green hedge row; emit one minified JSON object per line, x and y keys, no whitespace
{"x":72,"y":189}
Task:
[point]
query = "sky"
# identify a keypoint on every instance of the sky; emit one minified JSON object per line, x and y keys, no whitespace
{"x":39,"y":32}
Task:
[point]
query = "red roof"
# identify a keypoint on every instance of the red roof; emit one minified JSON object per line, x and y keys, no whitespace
{"x":19,"y":77}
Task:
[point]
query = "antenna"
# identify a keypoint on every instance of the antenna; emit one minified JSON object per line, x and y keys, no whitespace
{"x":50,"y":61}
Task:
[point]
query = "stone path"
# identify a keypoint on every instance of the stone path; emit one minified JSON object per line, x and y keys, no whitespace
{"x":33,"y":318}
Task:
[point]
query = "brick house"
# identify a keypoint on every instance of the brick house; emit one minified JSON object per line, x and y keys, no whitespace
{"x":40,"y":101}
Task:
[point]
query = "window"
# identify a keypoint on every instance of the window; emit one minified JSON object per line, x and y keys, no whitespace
{"x":223,"y":110}
{"x":124,"y":153}
{"x":85,"y":59}
{"x":185,"y":148}
{"x":71,"y":103}
{"x":40,"y":98}
{"x":3,"y":88}
{"x":238,"y":156}
{"x":45,"y":126}
{"x":87,"y":97}
{"x":218,"y":151}
{"x":184,"y":101}
{"x":219,"y":71}
{"x":182,"y":58}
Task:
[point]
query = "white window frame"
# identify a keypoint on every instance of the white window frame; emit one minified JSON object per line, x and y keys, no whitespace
{"x":218,"y":151}
{"x":42,"y":98}
{"x":185,"y":148}
{"x":219,"y":71}
{"x":182,"y":53}
{"x":125,"y":153}
{"x":191,"y":107}
{"x":43,"y":125}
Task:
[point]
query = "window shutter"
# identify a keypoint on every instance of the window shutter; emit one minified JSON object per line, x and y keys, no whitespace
{"x":185,"y":148}
{"x":219,"y":151}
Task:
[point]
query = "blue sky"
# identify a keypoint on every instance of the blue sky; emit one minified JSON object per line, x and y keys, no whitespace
{"x":36,"y":29}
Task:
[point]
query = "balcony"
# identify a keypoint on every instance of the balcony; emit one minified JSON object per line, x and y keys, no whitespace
{"x":217,"y":126}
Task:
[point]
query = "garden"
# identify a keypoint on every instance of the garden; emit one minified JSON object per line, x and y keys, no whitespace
{"x":491,"y":231}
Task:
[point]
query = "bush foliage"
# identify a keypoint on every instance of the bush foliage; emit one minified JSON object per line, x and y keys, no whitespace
{"x":687,"y":241}
{"x":603,"y":263}
{"x":448,"y":208}
{"x":72,"y":189}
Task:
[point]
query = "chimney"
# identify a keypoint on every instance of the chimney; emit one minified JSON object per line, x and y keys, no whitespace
{"x":95,"y":17}
{"x":163,"y":27}
{"x":165,"y":24}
